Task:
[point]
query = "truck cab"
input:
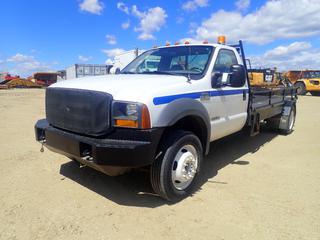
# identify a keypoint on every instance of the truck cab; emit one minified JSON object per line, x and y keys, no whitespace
{"x":162,"y":115}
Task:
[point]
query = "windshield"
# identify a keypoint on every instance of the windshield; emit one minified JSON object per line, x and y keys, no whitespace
{"x":180,"y":60}
{"x":311,"y":74}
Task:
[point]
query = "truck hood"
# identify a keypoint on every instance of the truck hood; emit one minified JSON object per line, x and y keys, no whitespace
{"x":129,"y":87}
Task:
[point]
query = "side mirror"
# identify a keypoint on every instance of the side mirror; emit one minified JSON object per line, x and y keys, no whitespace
{"x":216,"y":79}
{"x":237,"y":75}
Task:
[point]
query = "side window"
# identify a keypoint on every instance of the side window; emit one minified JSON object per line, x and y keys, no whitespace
{"x":226,"y":58}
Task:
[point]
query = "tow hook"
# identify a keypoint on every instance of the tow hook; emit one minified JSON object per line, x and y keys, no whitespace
{"x":42,"y":144}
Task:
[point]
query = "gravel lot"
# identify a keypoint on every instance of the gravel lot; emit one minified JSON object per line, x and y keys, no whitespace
{"x":265,"y":187}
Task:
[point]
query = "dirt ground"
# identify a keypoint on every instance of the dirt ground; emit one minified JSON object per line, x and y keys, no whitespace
{"x":265,"y":187}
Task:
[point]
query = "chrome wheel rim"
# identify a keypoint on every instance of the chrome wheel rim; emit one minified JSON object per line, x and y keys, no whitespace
{"x":184,"y":167}
{"x":291,"y":120}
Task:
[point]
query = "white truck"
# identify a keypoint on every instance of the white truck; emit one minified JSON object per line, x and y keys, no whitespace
{"x":163,"y":117}
{"x":123,"y":59}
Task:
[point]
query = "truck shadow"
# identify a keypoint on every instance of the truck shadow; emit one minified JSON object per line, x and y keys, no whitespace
{"x":134,"y":188}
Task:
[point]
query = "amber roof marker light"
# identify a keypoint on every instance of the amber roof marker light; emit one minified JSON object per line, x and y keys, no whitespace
{"x":222,"y":39}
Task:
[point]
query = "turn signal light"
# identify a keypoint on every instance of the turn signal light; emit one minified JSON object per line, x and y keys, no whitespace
{"x":186,"y":42}
{"x":126,"y":123}
{"x":176,"y":43}
{"x":145,"y":118}
{"x":205,"y":42}
{"x":167,"y":43}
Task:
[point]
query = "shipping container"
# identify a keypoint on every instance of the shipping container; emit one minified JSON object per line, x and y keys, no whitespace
{"x":84,"y":70}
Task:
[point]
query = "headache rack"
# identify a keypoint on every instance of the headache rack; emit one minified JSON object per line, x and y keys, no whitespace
{"x":264,"y":102}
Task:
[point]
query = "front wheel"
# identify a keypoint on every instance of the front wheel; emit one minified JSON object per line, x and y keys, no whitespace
{"x":175,"y":172}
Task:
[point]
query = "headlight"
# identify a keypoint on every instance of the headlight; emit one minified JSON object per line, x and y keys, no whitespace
{"x":130,"y":115}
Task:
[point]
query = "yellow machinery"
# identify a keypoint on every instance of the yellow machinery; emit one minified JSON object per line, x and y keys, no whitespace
{"x":21,"y":83}
{"x":305,"y":81}
{"x":263,"y":77}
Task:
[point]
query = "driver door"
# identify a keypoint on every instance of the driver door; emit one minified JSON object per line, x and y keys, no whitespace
{"x":229,"y":104}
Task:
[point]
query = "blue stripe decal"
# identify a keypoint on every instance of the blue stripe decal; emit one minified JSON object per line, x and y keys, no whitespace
{"x":196,"y":95}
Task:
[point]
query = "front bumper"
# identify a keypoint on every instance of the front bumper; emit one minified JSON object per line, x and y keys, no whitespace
{"x":121,"y":147}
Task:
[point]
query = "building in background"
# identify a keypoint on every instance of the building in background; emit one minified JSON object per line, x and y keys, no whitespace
{"x":84,"y":70}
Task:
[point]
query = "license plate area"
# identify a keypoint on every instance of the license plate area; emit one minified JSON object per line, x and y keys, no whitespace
{"x":63,"y":143}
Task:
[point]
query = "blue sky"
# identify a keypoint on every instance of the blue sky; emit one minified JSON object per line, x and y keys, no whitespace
{"x":50,"y":35}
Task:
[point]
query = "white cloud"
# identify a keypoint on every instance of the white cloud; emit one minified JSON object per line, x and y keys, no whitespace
{"x":111,"y":39}
{"x":91,"y":6}
{"x":192,"y":5}
{"x":111,"y":53}
{"x":277,"y":19}
{"x":122,"y":7}
{"x":150,"y":21}
{"x":295,"y":56}
{"x":82,"y":58}
{"x":109,"y":61}
{"x":136,"y":12}
{"x":125,"y":25}
{"x":242,"y":4}
{"x":20,"y":58}
{"x":191,"y":40}
{"x":25,"y":65}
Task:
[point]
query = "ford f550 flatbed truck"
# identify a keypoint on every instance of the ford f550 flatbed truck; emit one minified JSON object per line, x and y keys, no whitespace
{"x":163,"y":117}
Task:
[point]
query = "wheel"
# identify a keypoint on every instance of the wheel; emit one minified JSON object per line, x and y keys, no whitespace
{"x":291,"y":121}
{"x":301,"y":88}
{"x":315,"y":93}
{"x":175,"y":172}
{"x":282,"y":123}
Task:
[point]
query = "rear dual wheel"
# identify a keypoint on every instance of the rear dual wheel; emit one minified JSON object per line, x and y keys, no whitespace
{"x":291,"y":121}
{"x":274,"y":123}
{"x":175,"y":172}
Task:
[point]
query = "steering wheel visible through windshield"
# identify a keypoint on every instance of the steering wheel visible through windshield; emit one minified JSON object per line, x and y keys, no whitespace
{"x":179,"y":60}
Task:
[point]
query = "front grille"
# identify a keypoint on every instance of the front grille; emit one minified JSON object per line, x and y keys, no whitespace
{"x":80,"y":111}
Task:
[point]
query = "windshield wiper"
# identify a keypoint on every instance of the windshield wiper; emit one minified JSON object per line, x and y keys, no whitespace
{"x":128,"y":72}
{"x":161,"y":72}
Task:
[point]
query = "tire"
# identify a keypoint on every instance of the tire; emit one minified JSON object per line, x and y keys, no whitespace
{"x":291,"y":121}
{"x":301,"y":88}
{"x":170,"y":178}
{"x":315,"y":93}
{"x":274,"y":123}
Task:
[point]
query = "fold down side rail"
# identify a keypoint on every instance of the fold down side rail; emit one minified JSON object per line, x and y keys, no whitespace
{"x":269,"y":102}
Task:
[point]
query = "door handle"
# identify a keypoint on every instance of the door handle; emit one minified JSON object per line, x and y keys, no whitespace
{"x":244,"y":95}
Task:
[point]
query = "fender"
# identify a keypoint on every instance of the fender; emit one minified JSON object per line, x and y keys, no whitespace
{"x":184,"y":107}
